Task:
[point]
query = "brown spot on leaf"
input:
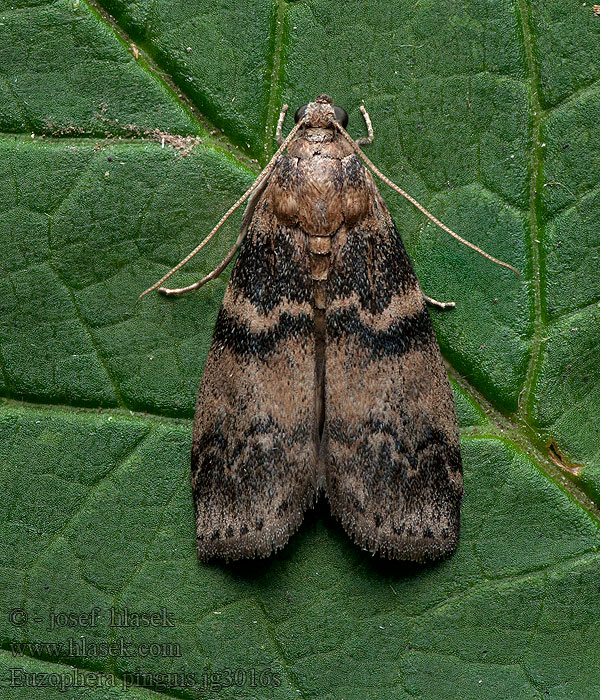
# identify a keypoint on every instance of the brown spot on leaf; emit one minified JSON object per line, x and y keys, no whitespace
{"x":559,"y":459}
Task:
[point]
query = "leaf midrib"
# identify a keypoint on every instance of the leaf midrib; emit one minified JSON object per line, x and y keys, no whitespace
{"x":534,"y":241}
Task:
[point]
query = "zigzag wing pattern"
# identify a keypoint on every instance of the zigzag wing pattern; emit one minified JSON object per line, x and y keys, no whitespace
{"x":394,"y":474}
{"x":254,"y":452}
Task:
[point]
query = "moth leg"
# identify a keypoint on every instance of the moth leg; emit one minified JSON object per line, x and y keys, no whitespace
{"x":365,"y":140}
{"x":168,"y":291}
{"x":439,"y":304}
{"x":211,"y":275}
{"x":248,"y":214}
{"x":258,"y":186}
{"x":278,"y":136}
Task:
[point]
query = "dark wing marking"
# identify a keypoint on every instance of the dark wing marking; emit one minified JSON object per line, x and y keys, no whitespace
{"x":393,"y":474}
{"x":254,"y":463}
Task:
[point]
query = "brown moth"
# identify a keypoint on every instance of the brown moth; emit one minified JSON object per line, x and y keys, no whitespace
{"x":324,"y":374}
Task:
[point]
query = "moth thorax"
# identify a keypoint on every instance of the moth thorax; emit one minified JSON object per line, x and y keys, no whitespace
{"x":318,"y":134}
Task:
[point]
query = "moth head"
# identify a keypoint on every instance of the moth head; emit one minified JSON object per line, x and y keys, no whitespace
{"x":321,"y":113}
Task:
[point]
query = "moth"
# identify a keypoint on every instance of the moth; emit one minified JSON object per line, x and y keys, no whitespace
{"x":324,"y":373}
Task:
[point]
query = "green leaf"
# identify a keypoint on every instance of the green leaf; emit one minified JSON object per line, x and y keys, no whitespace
{"x":127,"y":129}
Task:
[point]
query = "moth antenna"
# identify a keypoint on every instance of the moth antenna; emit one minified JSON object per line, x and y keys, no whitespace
{"x":261,"y":178}
{"x":413,"y":201}
{"x":211,"y":275}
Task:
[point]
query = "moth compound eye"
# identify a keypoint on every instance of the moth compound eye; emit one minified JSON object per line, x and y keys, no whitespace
{"x":300,"y":112}
{"x":341,"y":116}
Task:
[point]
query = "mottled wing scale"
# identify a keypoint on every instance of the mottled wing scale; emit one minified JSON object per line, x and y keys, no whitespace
{"x":254,"y":452}
{"x":394,"y":474}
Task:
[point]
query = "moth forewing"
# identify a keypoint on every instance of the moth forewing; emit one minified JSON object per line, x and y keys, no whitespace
{"x":394,"y":474}
{"x":254,"y":462}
